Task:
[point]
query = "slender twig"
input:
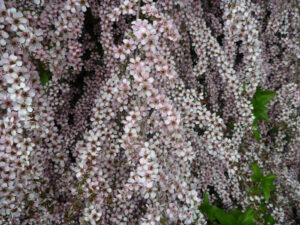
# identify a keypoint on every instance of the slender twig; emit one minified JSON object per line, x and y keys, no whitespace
{"x":138,"y":10}
{"x":137,"y":17}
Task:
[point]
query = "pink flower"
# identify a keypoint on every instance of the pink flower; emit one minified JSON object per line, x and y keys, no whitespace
{"x":145,"y":89}
{"x":16,"y":20}
{"x":140,"y":71}
{"x":155,"y":101}
{"x":143,"y":30}
{"x":120,"y":53}
{"x":127,"y":7}
{"x":129,"y":45}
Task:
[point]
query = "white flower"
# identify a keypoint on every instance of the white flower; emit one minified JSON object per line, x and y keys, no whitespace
{"x":84,"y":5}
{"x":120,"y":53}
{"x":128,"y":45}
{"x":70,"y":7}
{"x":127,"y":7}
{"x":143,"y":161}
{"x":11,"y":76}
{"x":3,"y":37}
{"x":16,"y":20}
{"x":3,"y":11}
{"x":151,"y":155}
{"x":115,"y":15}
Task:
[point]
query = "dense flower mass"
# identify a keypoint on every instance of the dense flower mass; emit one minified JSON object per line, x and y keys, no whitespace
{"x":119,"y":112}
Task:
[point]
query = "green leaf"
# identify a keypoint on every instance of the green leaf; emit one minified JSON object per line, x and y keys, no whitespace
{"x":257,"y":174}
{"x":247,"y":218}
{"x":259,"y":102}
{"x":266,"y":182}
{"x":236,"y":213}
{"x":44,"y":73}
{"x":263,"y":186}
{"x":269,"y":220}
{"x":224,"y":218}
{"x":256,"y":134}
{"x":208,"y":209}
{"x":244,"y":89}
{"x":268,"y":186}
{"x":255,"y":191}
{"x":260,"y":110}
{"x":262,"y":97}
{"x":206,"y":199}
{"x":215,"y":214}
{"x":263,"y":208}
{"x":44,"y":78}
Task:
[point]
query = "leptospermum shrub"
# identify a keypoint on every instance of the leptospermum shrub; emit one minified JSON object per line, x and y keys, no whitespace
{"x":148,"y":112}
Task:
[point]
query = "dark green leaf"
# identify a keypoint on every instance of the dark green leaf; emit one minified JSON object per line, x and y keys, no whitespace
{"x":44,"y":78}
{"x":260,"y":110}
{"x":247,"y":218}
{"x":268,"y":186}
{"x":255,"y":191}
{"x":269,"y":220}
{"x":224,"y":218}
{"x":263,"y":208}
{"x":257,"y":174}
{"x":236,"y":213}
{"x":207,"y":209}
{"x":262,"y":97}
{"x":256,"y":134}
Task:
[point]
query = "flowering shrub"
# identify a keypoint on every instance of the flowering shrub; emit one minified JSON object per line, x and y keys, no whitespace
{"x":149,"y":112}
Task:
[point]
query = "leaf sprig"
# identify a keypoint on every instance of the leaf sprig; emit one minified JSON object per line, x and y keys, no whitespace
{"x":217,"y":215}
{"x":262,"y":185}
{"x":260,"y":110}
{"x":265,"y":182}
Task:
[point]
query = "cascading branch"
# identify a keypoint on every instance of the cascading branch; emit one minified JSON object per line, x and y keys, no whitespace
{"x":149,"y":112}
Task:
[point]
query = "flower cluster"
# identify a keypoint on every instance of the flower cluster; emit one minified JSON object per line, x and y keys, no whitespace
{"x":128,"y":112}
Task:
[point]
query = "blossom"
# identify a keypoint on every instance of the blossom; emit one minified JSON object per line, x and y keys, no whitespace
{"x":126,"y":112}
{"x":3,"y":36}
{"x":127,"y":7}
{"x":120,"y":53}
{"x":129,"y":45}
{"x":143,"y":30}
{"x":16,"y":20}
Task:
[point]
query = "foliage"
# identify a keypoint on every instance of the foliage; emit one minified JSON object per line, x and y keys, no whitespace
{"x":216,"y":214}
{"x":44,"y":73}
{"x":265,"y":182}
{"x":262,"y":185}
{"x":260,"y":109}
